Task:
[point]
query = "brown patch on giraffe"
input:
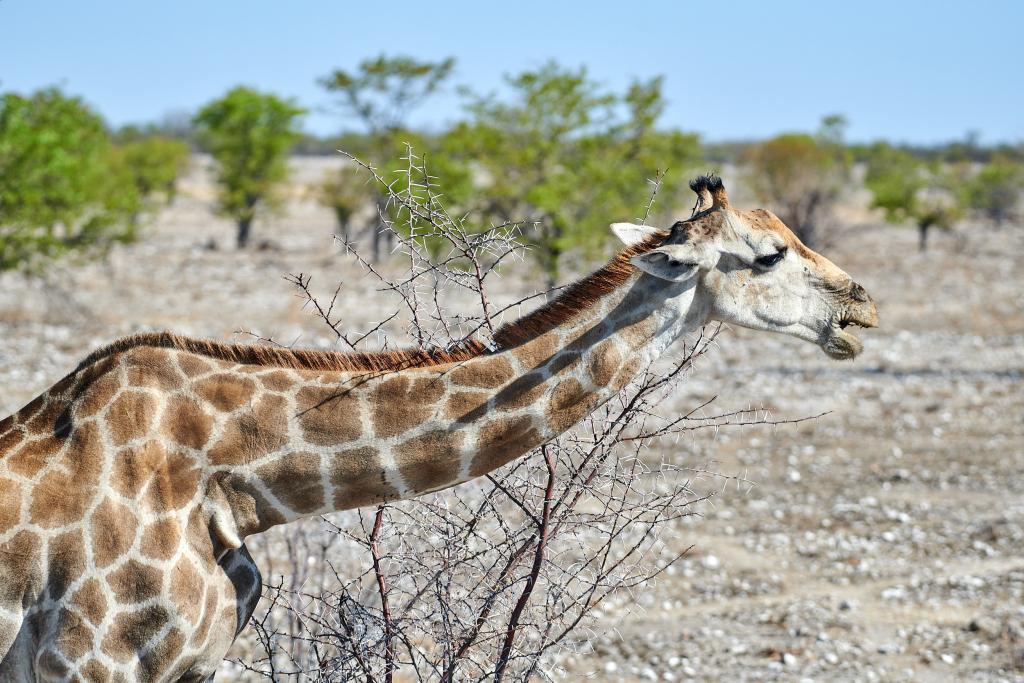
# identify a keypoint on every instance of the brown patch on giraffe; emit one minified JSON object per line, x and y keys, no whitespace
{"x":186,"y":422}
{"x":94,"y":672}
{"x":186,"y":587}
{"x":130,"y":632}
{"x":637,"y":334}
{"x":399,"y":403}
{"x":10,"y":504}
{"x":605,"y":361}
{"x":501,"y":440}
{"x":278,"y":380}
{"x":465,"y":406}
{"x":10,"y":436}
{"x":562,"y":360}
{"x":147,"y":357}
{"x":295,"y":481}
{"x":252,"y":434}
{"x":97,"y":395}
{"x":130,"y":416}
{"x":521,"y":393}
{"x":54,"y":418}
{"x":192,"y":365}
{"x":569,"y":403}
{"x":89,"y":600}
{"x":113,"y":532}
{"x":135,"y":582}
{"x":166,"y":480}
{"x":226,"y":392}
{"x":74,"y":639}
{"x":430,"y":460}
{"x":6,"y":424}
{"x":30,"y":409}
{"x":160,"y":656}
{"x":328,"y":416}
{"x":163,"y":377}
{"x":629,"y":370}
{"x":62,"y":495}
{"x":487,"y":373}
{"x":358,"y":478}
{"x":160,"y":539}
{"x":66,"y":562}
{"x":21,"y":566}
{"x":536,"y":352}
{"x":34,"y":455}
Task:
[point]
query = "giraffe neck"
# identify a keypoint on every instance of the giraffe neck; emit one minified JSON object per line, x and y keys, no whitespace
{"x":353,"y":440}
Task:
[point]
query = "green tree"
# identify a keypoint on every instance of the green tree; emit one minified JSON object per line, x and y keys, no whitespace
{"x":995,"y":190}
{"x":61,"y":190}
{"x":380,"y":95}
{"x":149,"y":167}
{"x":801,"y":176}
{"x":343,"y":192}
{"x":249,"y":134}
{"x":908,"y":189}
{"x":567,"y":154}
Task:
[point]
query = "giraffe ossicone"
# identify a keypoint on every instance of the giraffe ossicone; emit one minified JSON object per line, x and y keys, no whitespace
{"x":128,"y":488}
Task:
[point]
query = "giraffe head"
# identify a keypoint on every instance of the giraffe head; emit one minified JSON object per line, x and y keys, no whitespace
{"x":747,"y":268}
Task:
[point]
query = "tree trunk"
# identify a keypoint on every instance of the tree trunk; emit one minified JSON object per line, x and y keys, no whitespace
{"x":245,"y":221}
{"x":551,"y":264}
{"x":922,"y":232}
{"x":244,"y":229}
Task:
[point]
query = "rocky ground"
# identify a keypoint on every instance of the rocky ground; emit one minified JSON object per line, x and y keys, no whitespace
{"x":881,"y":541}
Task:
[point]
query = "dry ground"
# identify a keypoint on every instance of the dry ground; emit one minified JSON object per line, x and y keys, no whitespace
{"x":883,"y":541}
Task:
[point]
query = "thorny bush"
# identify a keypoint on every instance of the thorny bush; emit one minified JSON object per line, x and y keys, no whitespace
{"x":499,"y":578}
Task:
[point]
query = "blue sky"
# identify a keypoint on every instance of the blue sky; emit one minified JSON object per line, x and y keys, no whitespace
{"x":905,"y":70}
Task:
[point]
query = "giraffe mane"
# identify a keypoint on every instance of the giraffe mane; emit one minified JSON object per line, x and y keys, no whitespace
{"x":573,"y":300}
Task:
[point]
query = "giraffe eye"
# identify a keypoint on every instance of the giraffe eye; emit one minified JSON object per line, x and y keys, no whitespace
{"x":772,"y":259}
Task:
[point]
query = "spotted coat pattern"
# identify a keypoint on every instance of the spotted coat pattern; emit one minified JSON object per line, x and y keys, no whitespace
{"x":126,"y":490}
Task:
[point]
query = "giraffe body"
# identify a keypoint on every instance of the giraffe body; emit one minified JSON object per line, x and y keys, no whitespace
{"x":127,"y":489}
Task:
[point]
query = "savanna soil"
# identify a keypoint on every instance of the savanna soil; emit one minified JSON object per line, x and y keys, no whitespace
{"x":883,"y":540}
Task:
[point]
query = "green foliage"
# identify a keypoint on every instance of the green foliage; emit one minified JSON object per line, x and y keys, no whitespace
{"x":380,"y":95}
{"x":995,"y":190}
{"x":63,"y":190}
{"x":249,"y":133}
{"x":801,"y":175}
{"x":908,"y":189}
{"x":384,"y":90}
{"x":154,"y":164}
{"x":343,"y":192}
{"x":567,"y":154}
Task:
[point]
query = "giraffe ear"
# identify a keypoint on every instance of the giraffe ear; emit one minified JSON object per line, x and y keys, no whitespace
{"x":631,"y":234}
{"x":674,"y":262}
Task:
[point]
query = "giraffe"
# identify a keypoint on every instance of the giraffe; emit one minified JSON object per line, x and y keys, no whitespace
{"x":127,"y":489}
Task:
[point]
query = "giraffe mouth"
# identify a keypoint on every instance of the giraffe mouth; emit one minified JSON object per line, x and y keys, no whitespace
{"x":843,"y":345}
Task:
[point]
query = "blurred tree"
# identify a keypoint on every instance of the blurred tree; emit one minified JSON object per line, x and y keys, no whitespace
{"x":249,"y":134}
{"x":380,"y":95}
{"x":155,"y":164}
{"x":995,"y":190}
{"x":566,"y":154}
{"x":343,"y":191}
{"x":908,"y":189}
{"x":801,"y":176}
{"x":61,"y":188}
